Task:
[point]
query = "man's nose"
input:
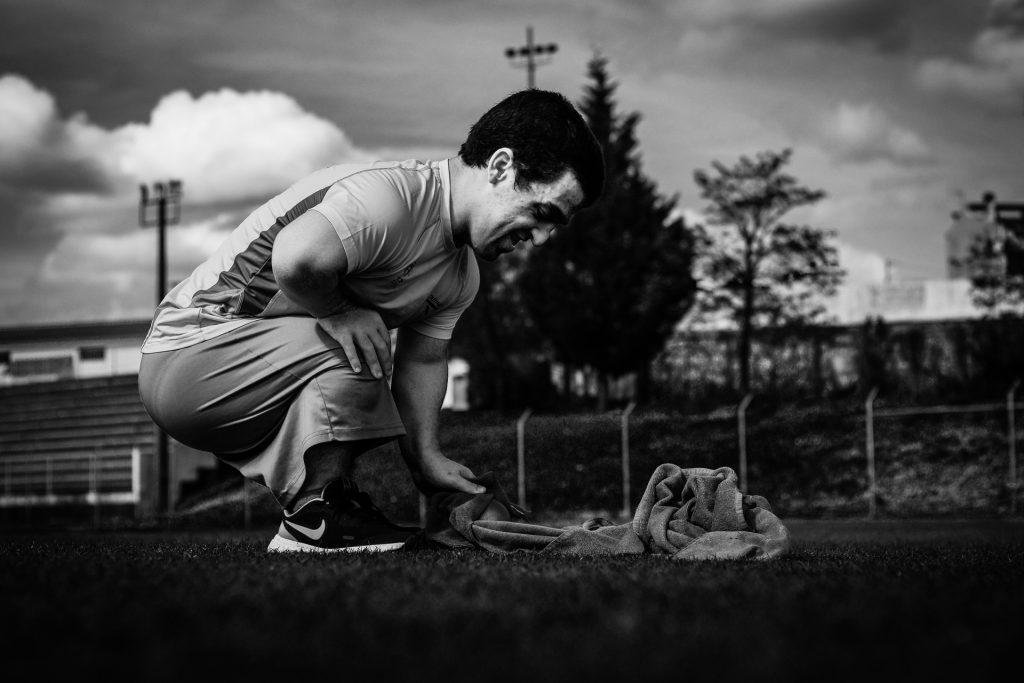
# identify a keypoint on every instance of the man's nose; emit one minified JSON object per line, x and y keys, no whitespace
{"x":540,"y":235}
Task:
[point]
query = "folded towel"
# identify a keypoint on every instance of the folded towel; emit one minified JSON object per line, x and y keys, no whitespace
{"x":687,"y":514}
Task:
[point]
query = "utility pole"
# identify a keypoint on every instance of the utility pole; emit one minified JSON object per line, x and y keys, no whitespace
{"x":531,"y":56}
{"x":164,"y":197}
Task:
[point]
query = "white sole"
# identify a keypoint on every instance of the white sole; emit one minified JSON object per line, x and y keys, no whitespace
{"x":283,"y":545}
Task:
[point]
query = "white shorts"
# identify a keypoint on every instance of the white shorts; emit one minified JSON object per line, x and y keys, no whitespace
{"x":260,"y":396}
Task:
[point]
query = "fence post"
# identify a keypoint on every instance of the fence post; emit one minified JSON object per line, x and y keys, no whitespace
{"x":627,"y":506}
{"x":246,"y":511}
{"x":91,"y":496}
{"x":94,"y":492}
{"x":1011,"y":439}
{"x":741,"y":428}
{"x":869,"y":415}
{"x":521,"y":455}
{"x":170,"y":470}
{"x":136,"y":475}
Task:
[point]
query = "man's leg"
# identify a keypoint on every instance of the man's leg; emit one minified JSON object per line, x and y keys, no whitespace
{"x":273,"y":399}
{"x":329,"y":513}
{"x":327,"y":462}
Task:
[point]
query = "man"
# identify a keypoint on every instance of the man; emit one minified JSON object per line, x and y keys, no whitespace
{"x":275,"y":353}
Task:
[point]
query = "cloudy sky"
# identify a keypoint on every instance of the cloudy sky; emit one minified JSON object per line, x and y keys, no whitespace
{"x":896,"y":108}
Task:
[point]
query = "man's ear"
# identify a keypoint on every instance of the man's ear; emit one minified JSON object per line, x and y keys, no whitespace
{"x":499,"y":166}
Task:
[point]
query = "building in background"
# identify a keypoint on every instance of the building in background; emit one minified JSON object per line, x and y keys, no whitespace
{"x":980,"y":236}
{"x":73,"y":430}
{"x":986,"y":234}
{"x":45,"y":353}
{"x":910,"y":301}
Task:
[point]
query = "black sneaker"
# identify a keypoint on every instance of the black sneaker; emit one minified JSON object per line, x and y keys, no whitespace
{"x":342,"y":519}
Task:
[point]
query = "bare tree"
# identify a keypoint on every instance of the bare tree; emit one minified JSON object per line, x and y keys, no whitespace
{"x":757,"y":269}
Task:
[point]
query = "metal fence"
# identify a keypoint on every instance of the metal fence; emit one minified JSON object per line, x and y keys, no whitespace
{"x":1009,"y":406}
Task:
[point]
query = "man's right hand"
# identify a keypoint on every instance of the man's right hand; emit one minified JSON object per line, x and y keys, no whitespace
{"x":439,"y":473}
{"x":363,"y":337}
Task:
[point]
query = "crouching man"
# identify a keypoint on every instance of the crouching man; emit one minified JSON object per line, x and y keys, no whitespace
{"x":275,"y":353}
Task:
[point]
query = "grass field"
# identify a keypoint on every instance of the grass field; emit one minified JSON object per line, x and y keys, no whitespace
{"x":852,"y":601}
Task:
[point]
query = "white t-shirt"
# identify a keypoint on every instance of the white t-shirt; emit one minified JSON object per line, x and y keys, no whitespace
{"x":394,"y":222}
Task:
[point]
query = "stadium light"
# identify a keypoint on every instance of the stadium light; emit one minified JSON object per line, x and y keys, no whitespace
{"x":163,"y":197}
{"x":166,"y":199}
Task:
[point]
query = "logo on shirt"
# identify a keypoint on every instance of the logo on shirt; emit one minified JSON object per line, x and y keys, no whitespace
{"x":401,"y":278}
{"x":431,"y":304}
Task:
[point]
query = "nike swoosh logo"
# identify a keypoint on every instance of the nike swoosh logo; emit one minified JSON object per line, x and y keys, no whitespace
{"x":313,"y":534}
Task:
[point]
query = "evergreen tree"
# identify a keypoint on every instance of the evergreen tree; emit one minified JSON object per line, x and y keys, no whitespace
{"x":608,"y":290}
{"x":496,"y":336}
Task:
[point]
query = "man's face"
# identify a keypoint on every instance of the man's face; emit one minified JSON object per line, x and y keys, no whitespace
{"x":531,"y":213}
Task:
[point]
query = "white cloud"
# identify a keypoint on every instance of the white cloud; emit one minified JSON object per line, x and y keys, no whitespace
{"x":861,"y":133}
{"x":994,"y":72}
{"x":227,"y":145}
{"x":1002,"y":51}
{"x":709,"y":43}
{"x":92,"y":257}
{"x":729,"y":11}
{"x":881,"y":23}
{"x":89,"y":259}
{"x":25,"y":114}
{"x":121,"y":266}
{"x":41,"y":151}
{"x":974,"y":81}
{"x":79,"y":181}
{"x":224,"y":145}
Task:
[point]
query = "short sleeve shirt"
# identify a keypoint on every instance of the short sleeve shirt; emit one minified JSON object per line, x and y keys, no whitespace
{"x":394,"y":222}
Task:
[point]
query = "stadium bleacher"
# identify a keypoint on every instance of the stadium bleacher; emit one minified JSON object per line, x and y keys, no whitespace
{"x":74,"y":442}
{"x":84,"y":443}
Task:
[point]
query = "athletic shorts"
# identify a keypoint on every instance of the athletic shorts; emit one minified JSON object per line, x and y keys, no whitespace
{"x":258,"y":397}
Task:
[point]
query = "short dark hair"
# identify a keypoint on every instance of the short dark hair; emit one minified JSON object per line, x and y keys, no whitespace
{"x":547,"y":136}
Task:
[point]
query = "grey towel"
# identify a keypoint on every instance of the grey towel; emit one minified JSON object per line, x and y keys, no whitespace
{"x":688,"y":514}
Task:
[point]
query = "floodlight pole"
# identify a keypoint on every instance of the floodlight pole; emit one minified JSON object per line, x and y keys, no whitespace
{"x":164,"y":197}
{"x":531,"y":56}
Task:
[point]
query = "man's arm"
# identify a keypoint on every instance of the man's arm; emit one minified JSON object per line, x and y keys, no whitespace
{"x":420,"y":380}
{"x":309,"y":263}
